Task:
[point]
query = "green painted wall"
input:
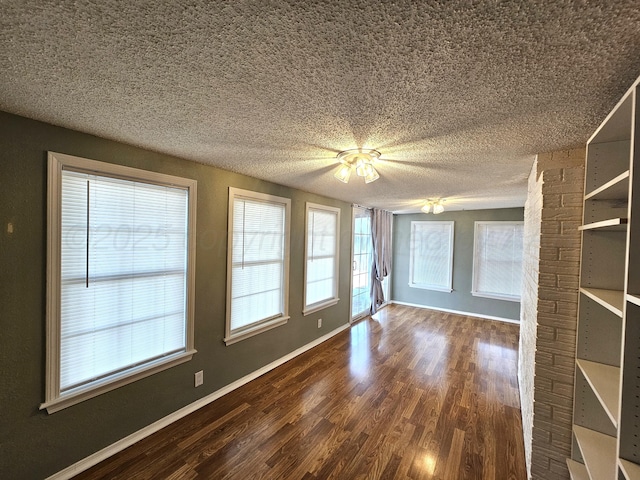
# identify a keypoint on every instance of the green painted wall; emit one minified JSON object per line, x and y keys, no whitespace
{"x":34,"y":444}
{"x":460,"y":299}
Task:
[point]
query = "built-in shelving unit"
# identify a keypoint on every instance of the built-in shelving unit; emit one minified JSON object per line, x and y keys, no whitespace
{"x":613,"y":224}
{"x":635,"y":299}
{"x":631,"y":471}
{"x":612,"y":190}
{"x":598,"y":451}
{"x":577,"y":470}
{"x":605,"y":383}
{"x":606,"y":414}
{"x":612,"y":300}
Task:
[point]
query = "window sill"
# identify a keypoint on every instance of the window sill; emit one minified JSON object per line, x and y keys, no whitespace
{"x":319,"y":306}
{"x":497,"y":296}
{"x":250,"y":332}
{"x":81,"y":394}
{"x":431,"y":287}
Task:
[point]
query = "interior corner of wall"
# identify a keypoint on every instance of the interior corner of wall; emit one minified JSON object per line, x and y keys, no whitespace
{"x":536,"y":171}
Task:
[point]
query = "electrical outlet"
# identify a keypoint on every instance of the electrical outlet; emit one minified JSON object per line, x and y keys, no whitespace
{"x":199,"y":378}
{"x":319,"y":322}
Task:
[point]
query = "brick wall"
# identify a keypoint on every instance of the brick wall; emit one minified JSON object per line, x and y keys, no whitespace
{"x":553,"y":213}
{"x":529,"y":306}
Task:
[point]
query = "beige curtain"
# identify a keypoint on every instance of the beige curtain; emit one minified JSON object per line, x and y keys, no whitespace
{"x":381,"y":222}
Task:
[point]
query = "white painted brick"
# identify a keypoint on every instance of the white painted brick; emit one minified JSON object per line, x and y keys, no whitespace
{"x":561,"y":213}
{"x":573,"y":176}
{"x":552,"y":398}
{"x":571,"y":282}
{"x":548,"y":280}
{"x":562,"y":188}
{"x":569,"y":309}
{"x":551,"y":227}
{"x":563,"y":242}
{"x":549,"y":309}
{"x":546,"y":306}
{"x":549,"y":253}
{"x":564,"y":389}
{"x":552,"y":201}
{"x":571,"y":200}
{"x":570,"y":227}
{"x":559,"y":321}
{"x":566,"y":268}
{"x":570,"y":254}
{"x":557,"y":294}
{"x":551,"y":177}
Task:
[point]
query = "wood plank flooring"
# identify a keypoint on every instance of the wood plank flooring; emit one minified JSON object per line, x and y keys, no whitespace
{"x":410,"y":394}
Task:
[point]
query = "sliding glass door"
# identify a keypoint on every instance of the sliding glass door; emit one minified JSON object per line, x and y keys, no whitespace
{"x":361,"y":263}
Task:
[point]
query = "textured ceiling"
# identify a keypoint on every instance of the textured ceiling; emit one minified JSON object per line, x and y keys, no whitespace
{"x":458,"y":96}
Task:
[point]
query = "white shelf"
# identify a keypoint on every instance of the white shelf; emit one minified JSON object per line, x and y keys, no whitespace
{"x":630,"y":470}
{"x":577,"y":470}
{"x":615,"y":189}
{"x":605,"y":382}
{"x":610,"y":258}
{"x":611,"y":225}
{"x":635,"y":299}
{"x":598,"y":451}
{"x":612,"y":300}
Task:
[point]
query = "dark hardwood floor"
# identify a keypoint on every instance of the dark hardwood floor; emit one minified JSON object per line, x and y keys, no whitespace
{"x":410,"y":394}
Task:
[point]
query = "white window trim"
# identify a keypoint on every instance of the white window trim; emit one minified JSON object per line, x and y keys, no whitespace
{"x":425,"y":286}
{"x":54,"y":400}
{"x":308,"y":309}
{"x":474,"y":290}
{"x":496,"y":296}
{"x":231,"y":338}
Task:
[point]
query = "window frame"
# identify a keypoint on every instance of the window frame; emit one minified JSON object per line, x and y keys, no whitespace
{"x":325,"y":303}
{"x":57,"y":162}
{"x":474,"y":290}
{"x":449,"y":283}
{"x":265,"y":325}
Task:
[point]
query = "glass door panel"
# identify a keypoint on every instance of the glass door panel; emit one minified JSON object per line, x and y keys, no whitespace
{"x":361,"y":263}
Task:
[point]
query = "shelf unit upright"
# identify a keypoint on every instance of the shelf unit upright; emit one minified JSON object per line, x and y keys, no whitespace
{"x":606,"y":410}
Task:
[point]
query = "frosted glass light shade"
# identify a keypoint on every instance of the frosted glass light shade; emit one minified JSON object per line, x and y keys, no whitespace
{"x":372,"y":175}
{"x":364,"y":167}
{"x":343,"y":173}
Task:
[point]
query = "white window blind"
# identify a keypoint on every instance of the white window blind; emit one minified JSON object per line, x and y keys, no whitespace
{"x":497,"y":268}
{"x":321,"y":267}
{"x":123,"y":276}
{"x":431,"y":256}
{"x":258,"y":267}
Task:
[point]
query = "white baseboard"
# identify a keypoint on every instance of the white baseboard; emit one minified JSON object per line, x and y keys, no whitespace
{"x":458,"y":312}
{"x":120,"y":445}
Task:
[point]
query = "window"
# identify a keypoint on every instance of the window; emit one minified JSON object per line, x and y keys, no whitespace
{"x":362,"y":248}
{"x":257,"y":263}
{"x":431,"y":256}
{"x":120,"y":278}
{"x":321,"y":257}
{"x":497,"y":260}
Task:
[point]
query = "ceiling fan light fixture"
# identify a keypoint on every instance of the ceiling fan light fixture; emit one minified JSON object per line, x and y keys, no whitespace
{"x":435,"y":206}
{"x":343,"y":173}
{"x":364,"y":167}
{"x":371,"y":176}
{"x":360,"y":159}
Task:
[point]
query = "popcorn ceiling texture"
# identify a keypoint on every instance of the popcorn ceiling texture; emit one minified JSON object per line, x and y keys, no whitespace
{"x":457,"y":96}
